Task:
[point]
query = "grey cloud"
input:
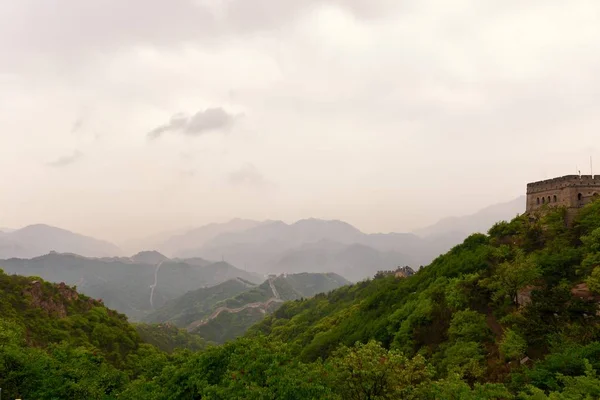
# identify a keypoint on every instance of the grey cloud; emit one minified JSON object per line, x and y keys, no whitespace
{"x":64,"y":161}
{"x":67,"y":28}
{"x":249,"y":175}
{"x":77,"y":125}
{"x":211,"y":119}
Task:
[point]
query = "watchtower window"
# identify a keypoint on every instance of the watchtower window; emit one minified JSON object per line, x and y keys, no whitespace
{"x":555,"y":199}
{"x":548,"y":199}
{"x":579,"y":197}
{"x":538,"y":200}
{"x":543,"y":200}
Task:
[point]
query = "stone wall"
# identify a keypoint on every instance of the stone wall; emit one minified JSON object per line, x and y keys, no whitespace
{"x":571,"y":191}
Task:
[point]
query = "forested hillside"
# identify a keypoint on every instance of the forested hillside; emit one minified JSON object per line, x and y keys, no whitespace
{"x":226,"y":311}
{"x":198,"y":303}
{"x":527,"y":293}
{"x":512,"y":314}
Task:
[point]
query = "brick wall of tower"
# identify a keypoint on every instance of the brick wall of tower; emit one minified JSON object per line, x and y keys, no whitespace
{"x":572,"y":191}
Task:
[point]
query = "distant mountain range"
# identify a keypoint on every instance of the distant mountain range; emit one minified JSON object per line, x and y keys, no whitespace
{"x":134,"y":286}
{"x":309,"y":245}
{"x":481,"y":221}
{"x":37,"y":240}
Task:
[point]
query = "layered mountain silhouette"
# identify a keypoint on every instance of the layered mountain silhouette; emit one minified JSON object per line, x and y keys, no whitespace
{"x":183,"y":243}
{"x":134,"y":286}
{"x":313,"y":245}
{"x":309,"y":245}
{"x":37,"y":240}
{"x":481,"y":221}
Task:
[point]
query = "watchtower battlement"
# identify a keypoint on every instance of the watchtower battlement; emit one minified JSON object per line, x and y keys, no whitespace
{"x":571,"y":191}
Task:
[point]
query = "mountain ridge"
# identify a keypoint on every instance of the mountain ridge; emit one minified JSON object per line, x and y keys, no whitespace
{"x":39,"y":239}
{"x":130,"y":287}
{"x":227,"y":310}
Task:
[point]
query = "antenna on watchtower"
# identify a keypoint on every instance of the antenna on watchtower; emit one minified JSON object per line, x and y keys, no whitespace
{"x":591,"y":168}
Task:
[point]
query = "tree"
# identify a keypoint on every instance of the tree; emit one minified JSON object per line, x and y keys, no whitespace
{"x":454,"y":388}
{"x":468,"y":325}
{"x":370,"y":372}
{"x":585,"y":386}
{"x":592,"y":245}
{"x":464,"y":359}
{"x":513,"y":345}
{"x":593,"y":281}
{"x":510,"y":277}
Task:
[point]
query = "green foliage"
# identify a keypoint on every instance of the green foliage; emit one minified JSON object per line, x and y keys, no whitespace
{"x":579,"y":387}
{"x":368,"y":371}
{"x":244,"y":304}
{"x":513,"y":345}
{"x":227,"y":326}
{"x":468,"y":325}
{"x":49,"y":313}
{"x":510,"y":277}
{"x":464,"y":359}
{"x":566,"y":359}
{"x":168,"y":337}
{"x":592,"y":245}
{"x":588,"y":219}
{"x":454,"y":388}
{"x":593,"y":281}
{"x":196,"y":304}
{"x":124,"y":285}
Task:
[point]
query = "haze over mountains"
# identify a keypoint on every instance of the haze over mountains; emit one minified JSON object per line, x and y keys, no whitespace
{"x":309,"y":245}
{"x":36,"y":240}
{"x":480,"y":221}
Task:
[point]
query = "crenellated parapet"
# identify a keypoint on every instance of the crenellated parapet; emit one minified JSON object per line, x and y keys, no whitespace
{"x":570,"y":191}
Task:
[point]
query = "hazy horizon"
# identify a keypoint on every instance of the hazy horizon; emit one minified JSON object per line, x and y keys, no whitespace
{"x":133,"y":242}
{"x":125,"y":119}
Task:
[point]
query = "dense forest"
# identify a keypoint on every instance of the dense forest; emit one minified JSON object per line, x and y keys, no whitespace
{"x":512,"y":314}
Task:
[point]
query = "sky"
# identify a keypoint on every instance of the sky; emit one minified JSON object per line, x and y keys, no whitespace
{"x":120,"y":119}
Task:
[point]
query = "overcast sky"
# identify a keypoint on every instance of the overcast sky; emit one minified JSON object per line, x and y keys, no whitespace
{"x":123,"y":118}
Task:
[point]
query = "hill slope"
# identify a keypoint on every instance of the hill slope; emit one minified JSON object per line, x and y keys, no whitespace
{"x":196,"y":304}
{"x":49,"y":313}
{"x":56,"y":343}
{"x":525,"y":281}
{"x":512,"y":314}
{"x":227,"y":310}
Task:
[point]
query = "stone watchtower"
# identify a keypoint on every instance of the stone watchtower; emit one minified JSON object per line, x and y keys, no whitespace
{"x":570,"y":191}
